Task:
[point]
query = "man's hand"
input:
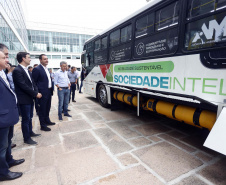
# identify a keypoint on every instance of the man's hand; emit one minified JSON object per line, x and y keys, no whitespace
{"x":39,"y":95}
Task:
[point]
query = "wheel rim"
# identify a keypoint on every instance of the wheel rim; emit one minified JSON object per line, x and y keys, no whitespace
{"x":103,"y":95}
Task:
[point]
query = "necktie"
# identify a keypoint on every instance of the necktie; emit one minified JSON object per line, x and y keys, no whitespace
{"x":4,"y":78}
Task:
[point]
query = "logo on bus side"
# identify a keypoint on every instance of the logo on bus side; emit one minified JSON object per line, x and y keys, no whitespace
{"x":214,"y":27}
{"x":140,"y":48}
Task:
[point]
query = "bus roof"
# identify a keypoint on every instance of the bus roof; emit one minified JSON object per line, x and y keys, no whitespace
{"x":150,"y":4}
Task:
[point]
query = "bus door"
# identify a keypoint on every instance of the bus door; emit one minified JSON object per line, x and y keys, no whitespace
{"x":87,"y":60}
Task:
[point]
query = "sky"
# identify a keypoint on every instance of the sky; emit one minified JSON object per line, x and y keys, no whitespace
{"x":97,"y":14}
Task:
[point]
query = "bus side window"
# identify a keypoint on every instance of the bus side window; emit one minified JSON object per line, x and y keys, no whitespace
{"x":196,"y":8}
{"x":97,"y":45}
{"x":196,"y":38}
{"x":104,"y":43}
{"x":145,"y":25}
{"x":200,"y":7}
{"x":126,"y":34}
{"x":115,"y":38}
{"x":141,"y":27}
{"x":167,"y":16}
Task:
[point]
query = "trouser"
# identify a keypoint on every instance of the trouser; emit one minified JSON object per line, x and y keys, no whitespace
{"x":80,"y":90}
{"x":63,"y":97}
{"x":78,"y":84}
{"x":53,"y":85}
{"x":27,"y":114}
{"x":9,"y":157}
{"x":4,"y":167}
{"x":45,"y":105}
{"x":72,"y":91}
{"x":37,"y":105}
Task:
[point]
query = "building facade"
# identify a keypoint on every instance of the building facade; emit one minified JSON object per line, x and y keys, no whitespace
{"x":65,"y":44}
{"x":13,"y":31}
{"x":58,"y":42}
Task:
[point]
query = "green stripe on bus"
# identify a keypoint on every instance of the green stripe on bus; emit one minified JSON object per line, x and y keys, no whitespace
{"x":150,"y":67}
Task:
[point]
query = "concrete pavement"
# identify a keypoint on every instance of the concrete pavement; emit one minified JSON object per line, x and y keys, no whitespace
{"x":102,"y":147}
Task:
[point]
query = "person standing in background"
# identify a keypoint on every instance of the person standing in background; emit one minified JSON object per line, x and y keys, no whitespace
{"x":78,"y":76}
{"x":9,"y":74}
{"x":26,"y":91}
{"x":43,"y":81}
{"x":63,"y":86}
{"x":36,"y":99}
{"x":52,"y":77}
{"x":73,"y":80}
{"x":30,"y":68}
{"x":68,"y":67}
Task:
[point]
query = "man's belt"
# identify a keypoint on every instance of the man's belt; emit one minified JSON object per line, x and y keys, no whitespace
{"x":63,"y":87}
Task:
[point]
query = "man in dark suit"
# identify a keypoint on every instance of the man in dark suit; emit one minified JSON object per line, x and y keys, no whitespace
{"x":8,"y":117}
{"x":5,"y":50}
{"x":26,"y":91}
{"x":43,"y":81}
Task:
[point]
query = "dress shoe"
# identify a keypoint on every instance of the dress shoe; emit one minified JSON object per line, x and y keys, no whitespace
{"x":60,"y":118}
{"x":16,"y":162}
{"x":32,"y":134}
{"x":81,"y":92}
{"x":50,"y":123}
{"x":68,"y":115}
{"x":11,"y":176}
{"x":45,"y":128}
{"x":30,"y":142}
{"x":13,"y":145}
{"x":73,"y":101}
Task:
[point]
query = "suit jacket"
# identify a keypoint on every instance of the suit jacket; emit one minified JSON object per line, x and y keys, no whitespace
{"x":9,"y":115}
{"x":25,"y":90}
{"x":41,"y":80}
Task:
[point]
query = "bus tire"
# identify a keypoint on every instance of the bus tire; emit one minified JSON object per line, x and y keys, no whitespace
{"x":102,"y":96}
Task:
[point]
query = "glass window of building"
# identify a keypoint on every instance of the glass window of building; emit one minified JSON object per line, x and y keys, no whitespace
{"x":34,"y":56}
{"x":56,"y":56}
{"x":66,"y":56}
{"x":75,"y":57}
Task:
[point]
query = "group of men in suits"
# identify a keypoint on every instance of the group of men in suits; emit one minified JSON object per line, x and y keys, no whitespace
{"x":28,"y":86}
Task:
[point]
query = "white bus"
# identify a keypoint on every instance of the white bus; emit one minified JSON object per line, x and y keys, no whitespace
{"x":168,"y":57}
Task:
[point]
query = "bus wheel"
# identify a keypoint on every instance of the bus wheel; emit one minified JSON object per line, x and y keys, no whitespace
{"x":102,"y":96}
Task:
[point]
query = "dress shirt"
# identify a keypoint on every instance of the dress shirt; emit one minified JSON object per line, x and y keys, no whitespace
{"x":10,"y":78}
{"x":48,"y":75}
{"x":3,"y":76}
{"x":26,"y":70}
{"x":61,"y":79}
{"x":77,"y":73}
{"x":72,"y":76}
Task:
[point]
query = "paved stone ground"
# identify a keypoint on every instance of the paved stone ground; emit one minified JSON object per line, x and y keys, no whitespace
{"x":98,"y":146}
